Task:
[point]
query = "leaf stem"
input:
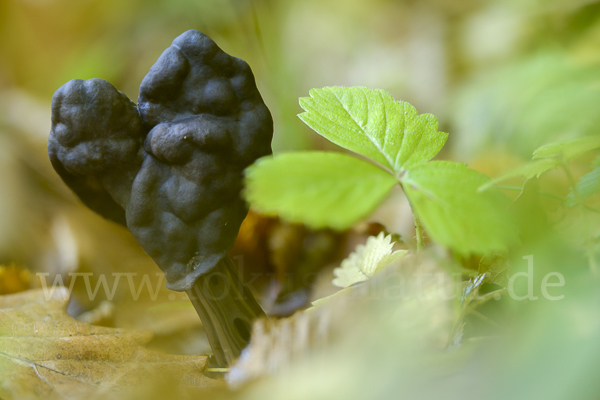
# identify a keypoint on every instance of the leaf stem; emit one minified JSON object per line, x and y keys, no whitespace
{"x":418,"y":227}
{"x":418,"y":231}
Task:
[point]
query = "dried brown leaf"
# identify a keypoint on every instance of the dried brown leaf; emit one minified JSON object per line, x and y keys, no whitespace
{"x":44,"y":353}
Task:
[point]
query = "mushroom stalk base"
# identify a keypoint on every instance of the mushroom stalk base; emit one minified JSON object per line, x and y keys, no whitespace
{"x":227,"y":309}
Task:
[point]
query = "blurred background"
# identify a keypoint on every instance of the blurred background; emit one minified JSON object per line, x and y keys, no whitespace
{"x":502,"y":76}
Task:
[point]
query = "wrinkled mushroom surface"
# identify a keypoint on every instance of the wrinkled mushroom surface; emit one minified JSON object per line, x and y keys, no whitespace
{"x":170,"y":168}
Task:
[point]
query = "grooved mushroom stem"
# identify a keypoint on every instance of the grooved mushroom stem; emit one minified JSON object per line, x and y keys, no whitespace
{"x":227,"y":309}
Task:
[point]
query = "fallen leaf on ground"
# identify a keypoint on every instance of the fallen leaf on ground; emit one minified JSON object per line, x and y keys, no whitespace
{"x":44,"y":353}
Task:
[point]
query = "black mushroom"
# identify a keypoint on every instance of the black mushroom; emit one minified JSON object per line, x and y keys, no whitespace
{"x":170,"y":169}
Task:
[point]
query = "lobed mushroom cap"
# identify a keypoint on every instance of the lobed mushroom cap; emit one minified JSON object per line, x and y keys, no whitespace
{"x":170,"y":169}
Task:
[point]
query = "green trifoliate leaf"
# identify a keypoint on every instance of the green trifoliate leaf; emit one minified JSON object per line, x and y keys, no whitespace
{"x":367,"y":260}
{"x":319,"y":189}
{"x":444,"y":196}
{"x":371,"y":123}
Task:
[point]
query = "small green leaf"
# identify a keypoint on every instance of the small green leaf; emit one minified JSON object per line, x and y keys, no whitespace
{"x":319,"y":189}
{"x":367,"y":260}
{"x":371,"y":123}
{"x":588,"y":185}
{"x":566,"y":150}
{"x":549,"y":157}
{"x":495,"y":268}
{"x":530,"y":170}
{"x":444,"y":196}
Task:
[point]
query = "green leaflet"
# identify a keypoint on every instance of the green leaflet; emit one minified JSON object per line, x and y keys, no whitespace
{"x":371,"y":123}
{"x":567,"y":150}
{"x":588,"y":185}
{"x":319,"y":189}
{"x":530,"y":170}
{"x":444,"y":196}
{"x":549,"y":157}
